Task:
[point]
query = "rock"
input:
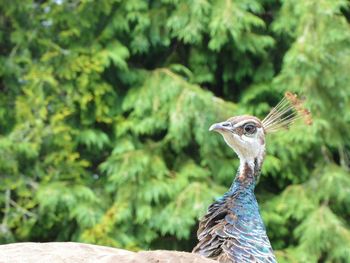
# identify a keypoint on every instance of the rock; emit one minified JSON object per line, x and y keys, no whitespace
{"x":71,"y":252}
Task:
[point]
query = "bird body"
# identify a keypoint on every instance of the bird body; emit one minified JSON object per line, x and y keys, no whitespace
{"x":232,"y":230}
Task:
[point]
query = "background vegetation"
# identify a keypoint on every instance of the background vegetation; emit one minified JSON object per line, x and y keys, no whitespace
{"x":105,"y":108}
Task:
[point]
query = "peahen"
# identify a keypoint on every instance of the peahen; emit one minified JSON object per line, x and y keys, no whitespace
{"x":232,"y":230}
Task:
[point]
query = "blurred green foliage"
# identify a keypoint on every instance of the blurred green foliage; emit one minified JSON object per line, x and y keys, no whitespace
{"x":105,"y":106}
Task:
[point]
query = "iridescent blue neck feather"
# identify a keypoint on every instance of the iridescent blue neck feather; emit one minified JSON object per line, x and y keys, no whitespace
{"x":232,"y":230}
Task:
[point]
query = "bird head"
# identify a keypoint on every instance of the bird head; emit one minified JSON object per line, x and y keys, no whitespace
{"x":244,"y":134}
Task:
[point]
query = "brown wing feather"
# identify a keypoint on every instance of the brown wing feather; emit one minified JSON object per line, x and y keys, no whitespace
{"x":211,"y":234}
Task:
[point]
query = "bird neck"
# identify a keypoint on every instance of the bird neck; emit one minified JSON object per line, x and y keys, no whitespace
{"x":247,"y":174}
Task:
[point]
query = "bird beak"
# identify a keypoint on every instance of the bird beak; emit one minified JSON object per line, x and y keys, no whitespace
{"x":220,"y":127}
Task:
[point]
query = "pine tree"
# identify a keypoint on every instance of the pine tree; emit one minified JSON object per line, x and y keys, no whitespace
{"x":105,"y":108}
{"x":316,"y":65}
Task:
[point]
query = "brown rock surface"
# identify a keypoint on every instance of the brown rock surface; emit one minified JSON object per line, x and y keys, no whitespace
{"x":70,"y":252}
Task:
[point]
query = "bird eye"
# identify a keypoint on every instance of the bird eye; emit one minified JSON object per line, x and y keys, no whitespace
{"x":249,"y":129}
